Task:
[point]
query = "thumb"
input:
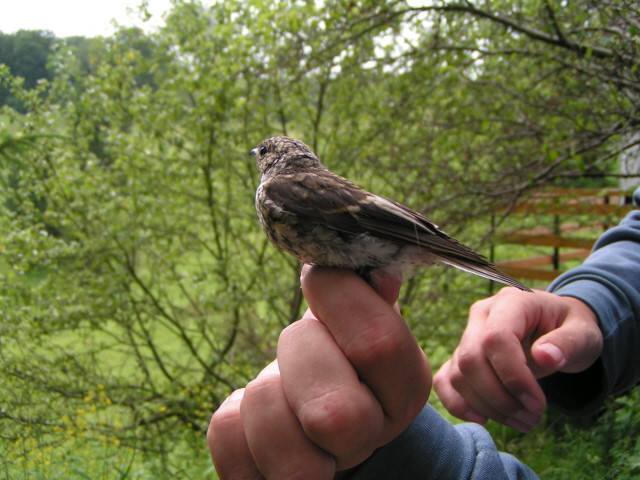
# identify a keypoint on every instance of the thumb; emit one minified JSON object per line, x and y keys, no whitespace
{"x":570,"y":348}
{"x":549,"y":353}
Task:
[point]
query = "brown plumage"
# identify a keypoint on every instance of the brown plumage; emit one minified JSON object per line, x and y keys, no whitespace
{"x":323,"y":219}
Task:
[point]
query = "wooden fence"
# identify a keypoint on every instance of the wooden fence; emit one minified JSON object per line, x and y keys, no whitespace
{"x":578,"y":218}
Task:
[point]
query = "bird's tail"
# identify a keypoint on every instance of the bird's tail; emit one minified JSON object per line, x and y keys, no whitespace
{"x":485,"y":270}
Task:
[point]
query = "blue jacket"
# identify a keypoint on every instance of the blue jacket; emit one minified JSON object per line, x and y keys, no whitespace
{"x":609,"y":282}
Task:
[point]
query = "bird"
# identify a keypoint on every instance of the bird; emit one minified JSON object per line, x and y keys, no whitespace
{"x":323,"y":219}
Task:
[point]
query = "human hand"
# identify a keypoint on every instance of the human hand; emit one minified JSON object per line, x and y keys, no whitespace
{"x":349,"y":377}
{"x":512,"y":339}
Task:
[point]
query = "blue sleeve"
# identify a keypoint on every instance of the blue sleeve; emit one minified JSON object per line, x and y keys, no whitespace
{"x":433,"y":448}
{"x":609,"y":282}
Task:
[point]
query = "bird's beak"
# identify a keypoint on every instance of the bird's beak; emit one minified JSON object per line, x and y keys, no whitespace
{"x":254,"y":151}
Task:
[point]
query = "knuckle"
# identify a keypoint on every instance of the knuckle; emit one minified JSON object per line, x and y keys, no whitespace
{"x":456,"y":405}
{"x":333,"y":414}
{"x":458,"y":380}
{"x":222,"y":418}
{"x":262,"y":389}
{"x":224,"y":421}
{"x":481,"y":308}
{"x":514,"y":384}
{"x":376,"y":343}
{"x":290,"y":332}
{"x":508,"y":292}
{"x":478,"y":307}
{"x":445,"y":381}
{"x":503,"y":405}
{"x":493,"y":338}
{"x":468,"y":361}
{"x":441,"y":380}
{"x":340,"y":422}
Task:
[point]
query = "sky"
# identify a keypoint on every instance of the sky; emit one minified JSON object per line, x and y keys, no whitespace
{"x":65,"y":18}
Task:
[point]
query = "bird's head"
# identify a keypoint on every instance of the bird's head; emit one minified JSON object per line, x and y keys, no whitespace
{"x":280,"y":154}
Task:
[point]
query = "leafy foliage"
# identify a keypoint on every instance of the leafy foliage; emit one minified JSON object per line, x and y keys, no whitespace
{"x":137,"y":288}
{"x":25,"y":53}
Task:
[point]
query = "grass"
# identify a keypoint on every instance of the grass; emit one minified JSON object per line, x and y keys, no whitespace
{"x":603,"y":446}
{"x":78,"y":458}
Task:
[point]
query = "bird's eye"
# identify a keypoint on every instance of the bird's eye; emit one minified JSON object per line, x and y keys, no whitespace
{"x":263,"y":150}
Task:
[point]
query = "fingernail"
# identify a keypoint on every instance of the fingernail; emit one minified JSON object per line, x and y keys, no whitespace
{"x":554,"y":352}
{"x":530,"y":403}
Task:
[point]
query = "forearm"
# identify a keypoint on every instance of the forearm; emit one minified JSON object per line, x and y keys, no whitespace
{"x":609,"y":283}
{"x":433,"y":448}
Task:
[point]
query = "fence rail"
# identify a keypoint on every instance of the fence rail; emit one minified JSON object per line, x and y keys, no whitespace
{"x":567,"y":238}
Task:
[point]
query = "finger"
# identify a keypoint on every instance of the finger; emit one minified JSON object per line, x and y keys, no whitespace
{"x":507,"y":331}
{"x":489,"y":368}
{"x":511,"y":370}
{"x":473,"y":375}
{"x":455,"y":403}
{"x":336,"y":410}
{"x":387,"y":285}
{"x":374,"y":338}
{"x":228,"y":444}
{"x":571,"y":347}
{"x":487,"y":397}
{"x":275,"y":438}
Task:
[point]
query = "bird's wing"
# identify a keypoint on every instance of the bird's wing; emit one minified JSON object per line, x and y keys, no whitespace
{"x":313,"y":198}
{"x":338,"y":204}
{"x":393,"y":221}
{"x":388,"y":219}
